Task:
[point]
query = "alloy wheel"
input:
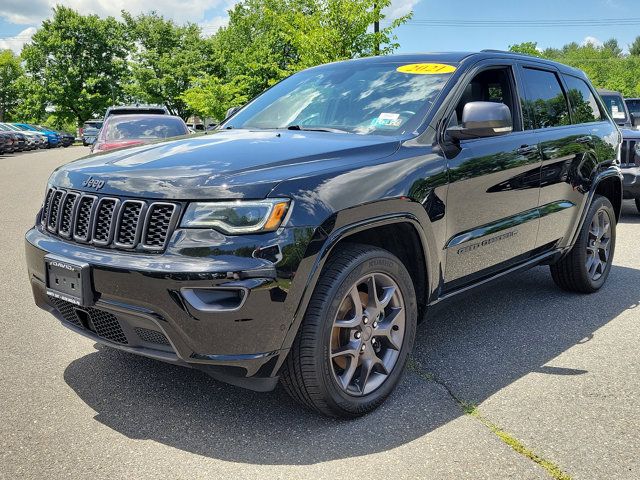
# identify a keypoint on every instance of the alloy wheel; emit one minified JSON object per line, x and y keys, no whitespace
{"x":598,"y":244}
{"x":367,"y":334}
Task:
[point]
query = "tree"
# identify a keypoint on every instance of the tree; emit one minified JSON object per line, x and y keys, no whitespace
{"x":10,"y":74}
{"x":79,"y":62}
{"x":528,"y":48}
{"x":634,"y":48}
{"x":166,"y":59}
{"x":612,"y":46}
{"x":268,"y":40}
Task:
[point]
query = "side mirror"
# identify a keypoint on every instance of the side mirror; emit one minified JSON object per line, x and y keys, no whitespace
{"x":482,"y":119}
{"x":232,"y":111}
{"x":632,"y":119}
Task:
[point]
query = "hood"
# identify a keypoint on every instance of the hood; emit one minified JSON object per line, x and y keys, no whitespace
{"x":628,"y":133}
{"x":224,"y":164}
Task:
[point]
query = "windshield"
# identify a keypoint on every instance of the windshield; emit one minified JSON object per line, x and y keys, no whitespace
{"x":130,"y":127}
{"x":615,"y":105}
{"x":94,"y":125}
{"x":381,"y":98}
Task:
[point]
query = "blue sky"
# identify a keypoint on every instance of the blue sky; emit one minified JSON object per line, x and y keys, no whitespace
{"x":20,"y":18}
{"x":415,"y":38}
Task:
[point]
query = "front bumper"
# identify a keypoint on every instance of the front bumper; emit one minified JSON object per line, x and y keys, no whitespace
{"x":631,"y":182}
{"x":141,"y":305}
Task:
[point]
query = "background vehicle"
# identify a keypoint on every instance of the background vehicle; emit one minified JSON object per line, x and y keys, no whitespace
{"x":53,"y":138}
{"x":136,"y":109}
{"x":22,"y":142}
{"x":89,"y":131}
{"x":633,"y":105}
{"x":6,"y":142}
{"x":304,"y":239}
{"x":128,"y":130}
{"x":35,"y":140}
{"x":66,"y":139}
{"x":617,"y":108}
{"x":630,"y":148}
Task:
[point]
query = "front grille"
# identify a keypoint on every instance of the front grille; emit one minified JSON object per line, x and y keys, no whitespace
{"x":151,"y":336}
{"x":109,"y":222}
{"x":628,"y":157}
{"x":103,"y":324}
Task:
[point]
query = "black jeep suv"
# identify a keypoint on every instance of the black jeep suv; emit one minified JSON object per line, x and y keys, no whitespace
{"x":304,"y":238}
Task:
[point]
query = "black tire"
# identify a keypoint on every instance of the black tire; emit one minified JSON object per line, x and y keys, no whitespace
{"x":571,"y":272}
{"x":638,"y":204}
{"x":308,"y":373}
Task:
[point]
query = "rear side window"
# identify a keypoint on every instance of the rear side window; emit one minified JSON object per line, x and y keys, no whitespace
{"x":545,"y":102}
{"x":584,"y":108}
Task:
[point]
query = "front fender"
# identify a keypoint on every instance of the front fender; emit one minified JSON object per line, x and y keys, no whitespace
{"x":354,"y":220}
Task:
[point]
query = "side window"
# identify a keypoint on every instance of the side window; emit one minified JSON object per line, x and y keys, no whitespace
{"x":545,"y":100}
{"x":584,"y":107}
{"x":494,"y":85}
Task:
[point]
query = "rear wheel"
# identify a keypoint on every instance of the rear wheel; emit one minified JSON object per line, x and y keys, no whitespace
{"x":586,"y":267}
{"x":358,"y":330}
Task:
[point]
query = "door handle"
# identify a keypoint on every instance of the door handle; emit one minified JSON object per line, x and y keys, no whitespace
{"x":585,"y":139}
{"x":526,"y":149}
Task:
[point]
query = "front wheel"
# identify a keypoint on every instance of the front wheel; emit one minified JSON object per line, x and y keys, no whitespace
{"x":587,"y":266}
{"x":356,"y":335}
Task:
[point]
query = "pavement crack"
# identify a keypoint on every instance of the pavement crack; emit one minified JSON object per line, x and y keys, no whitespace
{"x":473,"y":411}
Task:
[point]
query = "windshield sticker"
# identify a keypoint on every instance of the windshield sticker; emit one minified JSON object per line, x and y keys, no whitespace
{"x":426,"y":68}
{"x":387,"y":120}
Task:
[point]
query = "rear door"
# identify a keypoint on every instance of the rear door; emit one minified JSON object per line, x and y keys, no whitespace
{"x":493,"y":192}
{"x":569,"y":134}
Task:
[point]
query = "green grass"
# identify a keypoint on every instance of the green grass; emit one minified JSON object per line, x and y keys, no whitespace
{"x":473,"y":411}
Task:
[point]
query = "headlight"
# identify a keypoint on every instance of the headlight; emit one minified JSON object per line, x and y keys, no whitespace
{"x":236,"y":217}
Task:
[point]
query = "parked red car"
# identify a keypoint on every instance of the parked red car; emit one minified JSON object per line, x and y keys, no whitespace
{"x":128,"y":130}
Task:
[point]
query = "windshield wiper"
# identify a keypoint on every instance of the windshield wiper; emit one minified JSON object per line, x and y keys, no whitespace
{"x":316,"y":129}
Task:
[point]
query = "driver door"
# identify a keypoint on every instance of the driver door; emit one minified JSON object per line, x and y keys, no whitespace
{"x":492,"y":200}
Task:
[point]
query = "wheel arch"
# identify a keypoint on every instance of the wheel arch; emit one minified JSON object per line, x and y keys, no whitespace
{"x":367,"y":230}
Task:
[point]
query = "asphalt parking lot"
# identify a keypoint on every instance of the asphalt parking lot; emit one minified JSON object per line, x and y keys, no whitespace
{"x":516,"y":380}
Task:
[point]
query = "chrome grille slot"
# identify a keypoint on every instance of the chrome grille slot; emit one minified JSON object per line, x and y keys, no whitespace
{"x":157,"y":225}
{"x":104,"y":221}
{"x":67,"y":214}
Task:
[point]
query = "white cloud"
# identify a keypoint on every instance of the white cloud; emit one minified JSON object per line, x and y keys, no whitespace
{"x":32,"y":12}
{"x":399,"y":8}
{"x":589,"y":40}
{"x":16,"y":42}
{"x":24,"y":13}
{"x":211,"y":26}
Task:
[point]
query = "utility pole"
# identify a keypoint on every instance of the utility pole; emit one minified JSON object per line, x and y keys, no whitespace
{"x":376,"y":28}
